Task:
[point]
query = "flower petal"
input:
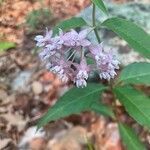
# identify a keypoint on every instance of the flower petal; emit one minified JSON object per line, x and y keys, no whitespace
{"x":83,"y":34}
{"x":85,"y":43}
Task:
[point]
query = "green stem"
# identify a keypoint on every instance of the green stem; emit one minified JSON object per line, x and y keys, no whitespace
{"x":89,"y":144}
{"x":82,"y":52}
{"x":94,"y":24}
{"x":71,"y":55}
{"x":114,"y":106}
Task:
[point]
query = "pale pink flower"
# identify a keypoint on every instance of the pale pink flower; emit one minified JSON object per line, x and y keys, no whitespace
{"x":96,"y":50}
{"x":43,"y":40}
{"x":53,"y":43}
{"x":46,"y":53}
{"x":62,"y":68}
{"x":60,"y":71}
{"x":106,"y":62}
{"x":82,"y":71}
{"x":81,"y":83}
{"x":73,"y":38}
{"x":55,"y":52}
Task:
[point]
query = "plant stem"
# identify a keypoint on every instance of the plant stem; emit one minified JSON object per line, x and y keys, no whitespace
{"x":94,"y":24}
{"x":89,"y":144}
{"x":82,"y":53}
{"x":98,"y":39}
{"x":71,"y":55}
{"x":114,"y":106}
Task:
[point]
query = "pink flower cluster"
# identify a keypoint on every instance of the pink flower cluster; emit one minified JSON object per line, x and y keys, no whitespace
{"x":58,"y":54}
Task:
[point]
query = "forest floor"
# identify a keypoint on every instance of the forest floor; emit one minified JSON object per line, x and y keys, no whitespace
{"x":27,"y":90}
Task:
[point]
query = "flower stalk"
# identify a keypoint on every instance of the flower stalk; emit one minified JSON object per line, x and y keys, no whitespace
{"x":94,"y":24}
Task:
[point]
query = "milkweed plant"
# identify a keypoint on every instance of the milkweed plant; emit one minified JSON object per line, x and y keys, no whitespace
{"x":61,"y":46}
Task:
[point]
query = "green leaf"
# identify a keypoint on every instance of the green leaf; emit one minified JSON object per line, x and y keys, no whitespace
{"x":68,"y":24}
{"x":100,"y":108}
{"x":136,"y":73}
{"x":100,"y":5}
{"x":90,"y":61}
{"x":6,"y":45}
{"x":39,"y":17}
{"x":74,"y":101}
{"x":130,"y":139}
{"x":136,"y":104}
{"x":136,"y":37}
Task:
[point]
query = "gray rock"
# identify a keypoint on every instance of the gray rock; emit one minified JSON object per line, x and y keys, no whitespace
{"x":21,"y":82}
{"x":29,"y":135}
{"x":136,"y":12}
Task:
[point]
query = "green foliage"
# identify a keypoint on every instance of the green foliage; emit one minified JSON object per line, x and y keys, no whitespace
{"x":130,"y":139}
{"x":100,"y":5}
{"x":136,"y":73}
{"x":136,"y":104}
{"x":68,"y":24}
{"x":90,"y":61}
{"x":6,"y":45}
{"x":102,"y":109}
{"x":74,"y":101}
{"x":38,"y":18}
{"x":136,"y":37}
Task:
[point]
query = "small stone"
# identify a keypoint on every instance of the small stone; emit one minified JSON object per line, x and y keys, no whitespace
{"x":37,"y":87}
{"x":37,"y":144}
{"x":21,"y":82}
{"x":57,"y":82}
{"x":3,"y":110}
{"x":9,"y":99}
{"x":48,"y":88}
{"x":68,"y":144}
{"x":72,"y":139}
{"x":48,"y":76}
{"x":3,"y":95}
{"x":113,"y":137}
{"x":30,"y":135}
{"x":15,"y":120}
{"x":106,"y":135}
{"x":118,"y":103}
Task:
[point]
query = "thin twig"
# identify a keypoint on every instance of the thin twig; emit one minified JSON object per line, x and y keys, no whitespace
{"x":94,"y":24}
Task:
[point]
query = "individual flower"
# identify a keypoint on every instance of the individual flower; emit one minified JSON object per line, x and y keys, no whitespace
{"x":81,"y":83}
{"x":96,"y":50}
{"x":73,"y":38}
{"x":57,"y":41}
{"x":49,"y":65}
{"x":43,"y":40}
{"x":53,"y":43}
{"x":107,"y":65}
{"x":106,"y":62}
{"x":46,"y":53}
{"x":82,"y":71}
{"x":62,"y":69}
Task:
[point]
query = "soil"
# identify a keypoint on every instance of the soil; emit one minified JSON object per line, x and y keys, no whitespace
{"x":27,"y":90}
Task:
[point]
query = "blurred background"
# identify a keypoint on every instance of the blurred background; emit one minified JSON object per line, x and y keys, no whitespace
{"x":27,"y":90}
